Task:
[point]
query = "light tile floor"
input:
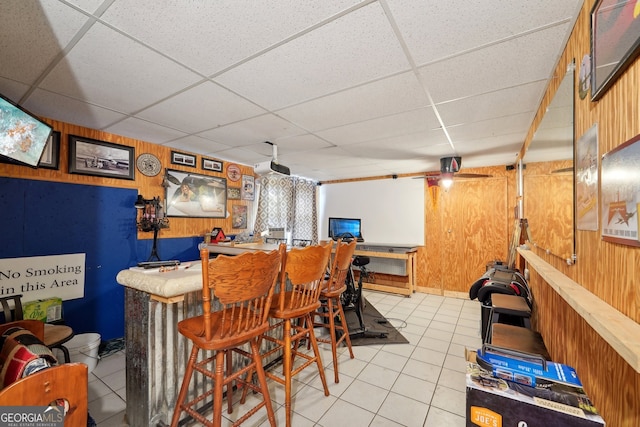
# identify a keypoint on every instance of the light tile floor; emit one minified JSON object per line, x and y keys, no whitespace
{"x":417,"y":384}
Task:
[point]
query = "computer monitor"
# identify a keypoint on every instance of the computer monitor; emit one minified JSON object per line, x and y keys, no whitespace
{"x":345,"y":227}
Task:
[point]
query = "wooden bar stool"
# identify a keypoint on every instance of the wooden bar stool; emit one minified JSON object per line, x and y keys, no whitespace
{"x":511,"y":309}
{"x":330,"y":306}
{"x":243,"y":286}
{"x":301,"y":277}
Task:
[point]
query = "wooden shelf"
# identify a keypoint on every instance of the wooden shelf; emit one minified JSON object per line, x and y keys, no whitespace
{"x":620,"y":331}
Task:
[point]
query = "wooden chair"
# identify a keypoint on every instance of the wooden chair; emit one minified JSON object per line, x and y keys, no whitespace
{"x":243,"y":285}
{"x":301,"y":277}
{"x":54,"y":335}
{"x":330,"y":305}
{"x":68,"y":382}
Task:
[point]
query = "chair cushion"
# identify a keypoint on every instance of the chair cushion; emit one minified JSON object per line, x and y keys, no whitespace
{"x":22,"y":354}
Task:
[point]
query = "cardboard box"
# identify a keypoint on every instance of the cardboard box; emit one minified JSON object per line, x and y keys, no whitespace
{"x":497,"y":402}
{"x":47,"y":310}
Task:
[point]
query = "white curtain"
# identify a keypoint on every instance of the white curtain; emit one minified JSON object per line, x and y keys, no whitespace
{"x":289,"y":203}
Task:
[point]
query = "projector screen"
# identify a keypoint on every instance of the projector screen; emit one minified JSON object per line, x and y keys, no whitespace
{"x":391,"y":210}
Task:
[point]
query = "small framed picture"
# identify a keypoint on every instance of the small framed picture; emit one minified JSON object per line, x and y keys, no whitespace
{"x":92,"y":157}
{"x":247,"y":191}
{"x":183,"y":159}
{"x":239,"y":216}
{"x":233,"y":193}
{"x":211,"y":165}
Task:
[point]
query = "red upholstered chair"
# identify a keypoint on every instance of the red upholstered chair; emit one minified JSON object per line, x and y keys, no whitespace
{"x":330,"y":306}
{"x":243,"y":287}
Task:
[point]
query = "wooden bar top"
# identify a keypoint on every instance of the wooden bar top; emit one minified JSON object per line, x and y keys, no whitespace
{"x":187,"y":278}
{"x":620,"y":331}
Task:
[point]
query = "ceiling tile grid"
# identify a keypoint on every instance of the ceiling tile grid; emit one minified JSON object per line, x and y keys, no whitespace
{"x":344,"y":88}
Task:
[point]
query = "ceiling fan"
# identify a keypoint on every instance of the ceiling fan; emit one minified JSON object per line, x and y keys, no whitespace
{"x":449,"y":167}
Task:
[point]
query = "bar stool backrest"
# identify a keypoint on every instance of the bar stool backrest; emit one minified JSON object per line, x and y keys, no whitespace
{"x":301,"y":276}
{"x":243,"y":286}
{"x":340,"y":266}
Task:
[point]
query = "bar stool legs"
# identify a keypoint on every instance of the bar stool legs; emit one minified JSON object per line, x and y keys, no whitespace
{"x":330,"y":310}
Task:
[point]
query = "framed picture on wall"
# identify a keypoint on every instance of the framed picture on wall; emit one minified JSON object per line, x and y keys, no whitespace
{"x":194,"y":195}
{"x":50,"y":158}
{"x":248,"y":187}
{"x":211,"y":165}
{"x":239,"y":216}
{"x":183,"y":159}
{"x":615,"y":42}
{"x":620,"y":190}
{"x":233,"y":193}
{"x":99,"y":158}
{"x":586,"y":185}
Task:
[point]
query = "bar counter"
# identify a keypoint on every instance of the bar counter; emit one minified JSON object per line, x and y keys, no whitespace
{"x":156,"y":354}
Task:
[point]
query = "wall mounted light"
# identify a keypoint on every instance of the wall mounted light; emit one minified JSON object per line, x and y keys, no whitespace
{"x":151,"y":217}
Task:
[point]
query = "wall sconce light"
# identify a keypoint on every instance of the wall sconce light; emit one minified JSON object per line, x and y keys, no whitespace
{"x":151,"y":217}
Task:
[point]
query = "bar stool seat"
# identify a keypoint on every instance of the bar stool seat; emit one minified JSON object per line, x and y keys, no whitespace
{"x":510,"y":309}
{"x":55,"y":336}
{"x":519,"y":339}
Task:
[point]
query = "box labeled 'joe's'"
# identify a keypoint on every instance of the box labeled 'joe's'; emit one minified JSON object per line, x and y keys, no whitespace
{"x":496,"y":401}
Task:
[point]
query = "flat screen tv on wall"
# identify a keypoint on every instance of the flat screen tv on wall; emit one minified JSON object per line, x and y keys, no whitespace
{"x":345,"y":227}
{"x":23,"y":136}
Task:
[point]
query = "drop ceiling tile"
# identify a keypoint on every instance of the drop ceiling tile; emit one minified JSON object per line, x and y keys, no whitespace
{"x":405,"y":147}
{"x":406,"y":123}
{"x":201,"y":107}
{"x":87,"y":5}
{"x":511,"y":63}
{"x":71,"y":110}
{"x":196,"y":144}
{"x":519,"y":99}
{"x":13,"y":90}
{"x":113,"y":71}
{"x":334,"y":156}
{"x":267,"y":127}
{"x":381,"y":98}
{"x":492,"y":128}
{"x":490,"y":151}
{"x":306,"y":142}
{"x":456,"y":26}
{"x":211,"y":36}
{"x":145,"y":131}
{"x":354,"y":49}
{"x":32,"y":34}
{"x":240,"y":155}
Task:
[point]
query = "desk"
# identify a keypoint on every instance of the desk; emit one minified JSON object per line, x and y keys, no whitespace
{"x":396,"y":265}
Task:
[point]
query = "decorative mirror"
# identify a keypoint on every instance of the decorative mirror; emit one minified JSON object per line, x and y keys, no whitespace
{"x":548,"y":176}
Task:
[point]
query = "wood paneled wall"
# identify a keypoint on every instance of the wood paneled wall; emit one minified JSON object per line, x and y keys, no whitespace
{"x":147,"y":186}
{"x":610,"y":271}
{"x":465,"y":228}
{"x":548,"y":206}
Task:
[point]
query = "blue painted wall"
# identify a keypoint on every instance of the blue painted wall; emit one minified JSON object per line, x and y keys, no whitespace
{"x":39,"y":218}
